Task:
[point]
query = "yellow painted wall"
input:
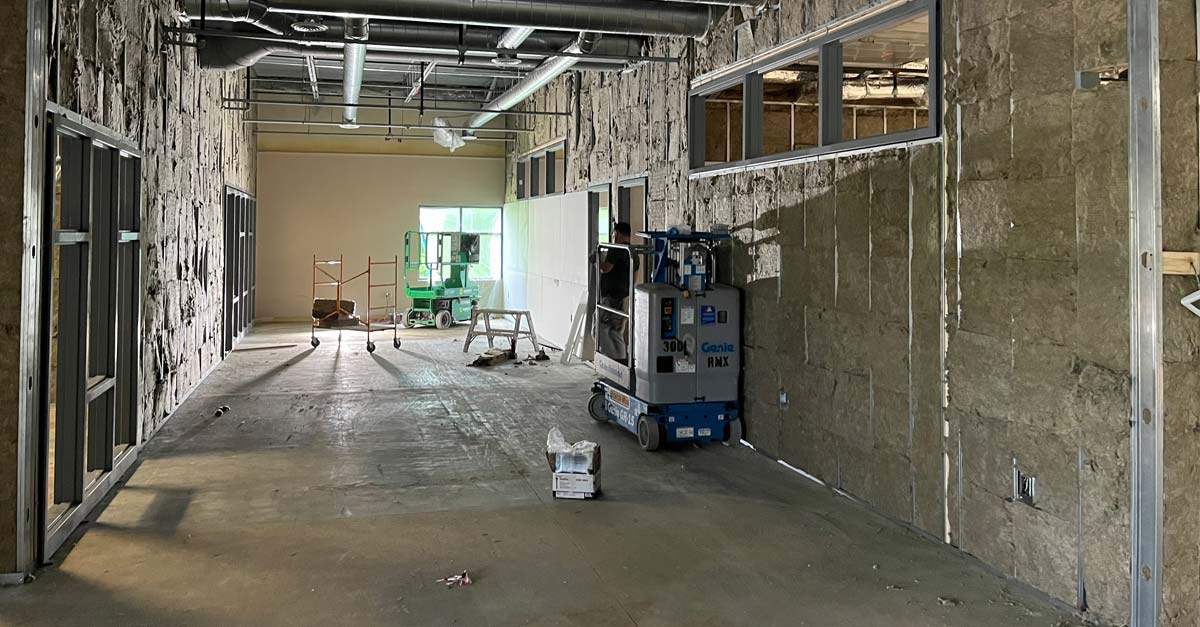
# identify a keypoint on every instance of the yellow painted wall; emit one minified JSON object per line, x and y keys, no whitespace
{"x":352,"y":205}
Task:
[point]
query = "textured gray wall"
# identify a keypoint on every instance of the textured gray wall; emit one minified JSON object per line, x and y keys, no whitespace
{"x":1181,"y":329}
{"x":1038,"y":359}
{"x":846,"y":263}
{"x":112,"y":68}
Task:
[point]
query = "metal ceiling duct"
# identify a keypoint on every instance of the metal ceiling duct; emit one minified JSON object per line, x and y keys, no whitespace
{"x":632,"y":17}
{"x":247,"y":11}
{"x":549,"y":70}
{"x":354,"y":55}
{"x":514,"y":37}
{"x":509,"y":39}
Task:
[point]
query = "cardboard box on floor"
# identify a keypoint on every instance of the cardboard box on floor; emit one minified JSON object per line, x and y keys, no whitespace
{"x":575,"y":467}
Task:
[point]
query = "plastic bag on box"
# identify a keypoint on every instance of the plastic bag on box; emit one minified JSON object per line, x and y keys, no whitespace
{"x":567,"y":457}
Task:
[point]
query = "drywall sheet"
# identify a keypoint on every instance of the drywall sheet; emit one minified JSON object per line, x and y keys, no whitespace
{"x":545,"y":260}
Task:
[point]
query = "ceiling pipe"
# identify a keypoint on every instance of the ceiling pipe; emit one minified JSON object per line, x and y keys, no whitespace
{"x":370,"y":135}
{"x":546,"y":42}
{"x":232,"y":53}
{"x":549,"y":70}
{"x":630,"y":17}
{"x":419,"y":81}
{"x":723,"y":3}
{"x":425,"y":127}
{"x":310,"y":65}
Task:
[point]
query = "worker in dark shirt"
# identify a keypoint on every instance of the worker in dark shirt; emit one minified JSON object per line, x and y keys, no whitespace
{"x":614,"y":289}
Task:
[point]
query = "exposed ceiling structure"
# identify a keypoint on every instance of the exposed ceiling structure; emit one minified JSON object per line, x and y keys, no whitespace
{"x":444,"y":70}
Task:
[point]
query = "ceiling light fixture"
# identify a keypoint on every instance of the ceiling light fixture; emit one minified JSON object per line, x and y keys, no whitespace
{"x":310,"y":26}
{"x":506,"y":60}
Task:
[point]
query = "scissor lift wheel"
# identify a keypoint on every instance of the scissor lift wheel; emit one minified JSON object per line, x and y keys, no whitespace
{"x":649,"y":435}
{"x":596,"y":407}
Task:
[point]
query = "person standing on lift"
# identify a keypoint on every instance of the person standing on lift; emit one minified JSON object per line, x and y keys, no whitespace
{"x":614,"y":289}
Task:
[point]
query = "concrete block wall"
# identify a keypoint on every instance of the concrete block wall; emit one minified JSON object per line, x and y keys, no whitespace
{"x":1014,"y":225}
{"x":114,"y":69}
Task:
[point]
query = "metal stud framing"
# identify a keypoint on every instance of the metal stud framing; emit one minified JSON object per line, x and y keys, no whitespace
{"x":1145,"y":251}
{"x":88,"y":326}
{"x":240,"y":236}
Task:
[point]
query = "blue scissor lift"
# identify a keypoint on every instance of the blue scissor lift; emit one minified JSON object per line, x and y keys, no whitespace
{"x":669,"y":360}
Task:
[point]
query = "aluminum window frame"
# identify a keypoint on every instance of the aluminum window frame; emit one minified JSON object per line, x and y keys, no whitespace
{"x":500,"y":276}
{"x":826,"y":44}
{"x":623,"y":196}
{"x":522,"y":178}
{"x":539,"y":180}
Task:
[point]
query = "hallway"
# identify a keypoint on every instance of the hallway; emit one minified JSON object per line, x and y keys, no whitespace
{"x":342,"y":484}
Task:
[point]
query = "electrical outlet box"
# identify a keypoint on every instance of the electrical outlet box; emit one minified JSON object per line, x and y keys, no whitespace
{"x":1024,"y":486}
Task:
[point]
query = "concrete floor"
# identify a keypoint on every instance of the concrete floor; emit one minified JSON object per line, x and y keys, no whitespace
{"x":343,"y":484}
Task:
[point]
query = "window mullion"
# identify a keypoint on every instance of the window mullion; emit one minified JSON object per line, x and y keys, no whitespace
{"x":696,"y":131}
{"x":752,"y":115}
{"x":829,"y":90}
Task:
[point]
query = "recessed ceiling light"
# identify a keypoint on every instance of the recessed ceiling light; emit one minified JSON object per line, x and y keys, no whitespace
{"x":309,"y":26}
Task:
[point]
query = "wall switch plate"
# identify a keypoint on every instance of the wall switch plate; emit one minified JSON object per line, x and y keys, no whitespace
{"x":1024,"y":486}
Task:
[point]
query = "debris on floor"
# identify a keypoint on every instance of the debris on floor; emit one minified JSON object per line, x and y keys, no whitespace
{"x":456,"y":580}
{"x":949,"y":601}
{"x":223,"y":409}
{"x":333,"y":314}
{"x":492,"y":357}
{"x":576,"y":466}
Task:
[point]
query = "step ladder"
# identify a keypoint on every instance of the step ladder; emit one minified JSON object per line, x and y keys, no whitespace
{"x":481,"y":326}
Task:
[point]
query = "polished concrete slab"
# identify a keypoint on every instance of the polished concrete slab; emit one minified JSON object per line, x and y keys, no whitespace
{"x":341,"y":484}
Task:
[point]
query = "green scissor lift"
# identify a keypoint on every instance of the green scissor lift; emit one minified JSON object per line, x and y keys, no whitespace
{"x":445,"y":294}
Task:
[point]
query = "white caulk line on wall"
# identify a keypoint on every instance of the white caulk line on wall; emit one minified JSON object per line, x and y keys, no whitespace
{"x":748,"y":445}
{"x":805,"y":475}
